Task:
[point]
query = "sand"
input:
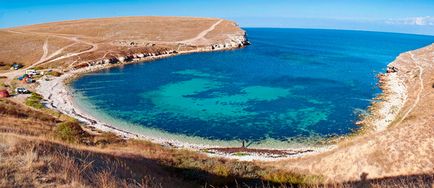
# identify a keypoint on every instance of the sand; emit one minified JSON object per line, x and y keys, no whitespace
{"x":58,"y":95}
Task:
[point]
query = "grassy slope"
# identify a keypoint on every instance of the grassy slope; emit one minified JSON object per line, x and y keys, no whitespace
{"x":111,"y":37}
{"x":31,"y":137}
{"x":33,"y":154}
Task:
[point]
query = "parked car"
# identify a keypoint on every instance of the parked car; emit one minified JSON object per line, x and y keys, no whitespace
{"x":32,"y":72}
{"x":17,"y":66}
{"x":22,"y":90}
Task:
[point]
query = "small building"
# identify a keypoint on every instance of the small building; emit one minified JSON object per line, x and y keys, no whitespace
{"x":4,"y":93}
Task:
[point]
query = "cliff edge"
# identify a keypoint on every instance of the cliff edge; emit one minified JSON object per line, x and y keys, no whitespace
{"x":79,"y":43}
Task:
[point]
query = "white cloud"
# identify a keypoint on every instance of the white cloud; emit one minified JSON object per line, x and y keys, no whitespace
{"x":420,"y":21}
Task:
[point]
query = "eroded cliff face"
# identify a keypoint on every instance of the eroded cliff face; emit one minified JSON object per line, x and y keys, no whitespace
{"x":235,"y":41}
{"x":221,"y":35}
{"x":79,"y":43}
{"x":131,"y":57}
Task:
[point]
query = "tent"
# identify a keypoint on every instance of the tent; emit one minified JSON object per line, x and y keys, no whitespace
{"x":4,"y":93}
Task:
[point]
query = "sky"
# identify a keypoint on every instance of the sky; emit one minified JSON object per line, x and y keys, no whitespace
{"x":402,"y":16}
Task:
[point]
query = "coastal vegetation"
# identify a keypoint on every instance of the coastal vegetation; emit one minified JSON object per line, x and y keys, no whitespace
{"x":43,"y":134}
{"x":54,"y":73}
{"x":41,"y":150}
{"x":34,"y":100}
{"x":4,"y":66}
{"x":69,"y":131}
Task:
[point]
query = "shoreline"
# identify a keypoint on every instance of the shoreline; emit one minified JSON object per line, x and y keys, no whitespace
{"x":387,"y":107}
{"x":405,"y":146}
{"x":59,"y":96}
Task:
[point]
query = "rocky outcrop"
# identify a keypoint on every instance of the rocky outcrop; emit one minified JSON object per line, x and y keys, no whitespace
{"x":222,"y":35}
{"x":232,"y":42}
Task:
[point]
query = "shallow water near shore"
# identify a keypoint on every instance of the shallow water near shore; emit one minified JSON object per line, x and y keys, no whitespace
{"x":290,"y":85}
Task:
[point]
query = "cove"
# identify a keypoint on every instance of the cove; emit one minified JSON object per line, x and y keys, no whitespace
{"x":290,"y":84}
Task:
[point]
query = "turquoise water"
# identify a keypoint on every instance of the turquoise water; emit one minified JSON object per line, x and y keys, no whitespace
{"x":290,"y":83}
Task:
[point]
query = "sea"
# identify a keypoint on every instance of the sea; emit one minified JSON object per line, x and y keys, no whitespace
{"x":290,"y":87}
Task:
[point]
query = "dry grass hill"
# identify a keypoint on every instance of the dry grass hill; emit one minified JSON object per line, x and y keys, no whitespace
{"x":40,"y":147}
{"x":68,"y":43}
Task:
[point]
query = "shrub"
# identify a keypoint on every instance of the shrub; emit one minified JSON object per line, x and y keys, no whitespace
{"x":10,"y":108}
{"x":240,"y":154}
{"x":283,"y":177}
{"x":69,"y":131}
{"x":3,"y":85}
{"x":107,"y":138}
{"x":221,"y":170}
{"x":4,"y":66}
{"x":34,"y":101}
{"x":54,"y":73}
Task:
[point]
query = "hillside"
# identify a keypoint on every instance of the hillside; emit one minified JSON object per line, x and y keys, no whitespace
{"x":63,"y":45}
{"x":40,"y":146}
{"x":406,"y":146}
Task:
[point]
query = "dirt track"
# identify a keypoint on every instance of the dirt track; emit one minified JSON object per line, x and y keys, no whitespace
{"x":87,"y":40}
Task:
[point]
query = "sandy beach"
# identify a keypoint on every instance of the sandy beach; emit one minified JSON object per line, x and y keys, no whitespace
{"x":382,"y":113}
{"x":59,"y":97}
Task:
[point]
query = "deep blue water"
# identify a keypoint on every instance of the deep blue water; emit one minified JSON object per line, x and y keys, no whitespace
{"x":288,"y":83}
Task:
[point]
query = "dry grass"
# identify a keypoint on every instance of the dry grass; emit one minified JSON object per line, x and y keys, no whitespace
{"x":19,"y":119}
{"x":47,"y":164}
{"x":42,"y":164}
{"x":129,"y":157}
{"x":32,"y":155}
{"x":15,"y":45}
{"x":115,"y":35}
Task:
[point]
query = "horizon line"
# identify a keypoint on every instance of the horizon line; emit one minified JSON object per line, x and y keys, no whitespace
{"x":336,"y":29}
{"x":229,"y":19}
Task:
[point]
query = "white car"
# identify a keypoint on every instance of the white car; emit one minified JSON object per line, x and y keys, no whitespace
{"x":22,"y":90}
{"x":31,"y":72}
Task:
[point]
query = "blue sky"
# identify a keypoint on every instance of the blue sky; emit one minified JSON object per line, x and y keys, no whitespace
{"x":406,"y":16}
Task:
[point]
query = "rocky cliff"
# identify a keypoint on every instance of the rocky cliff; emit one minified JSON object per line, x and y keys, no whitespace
{"x":79,"y":43}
